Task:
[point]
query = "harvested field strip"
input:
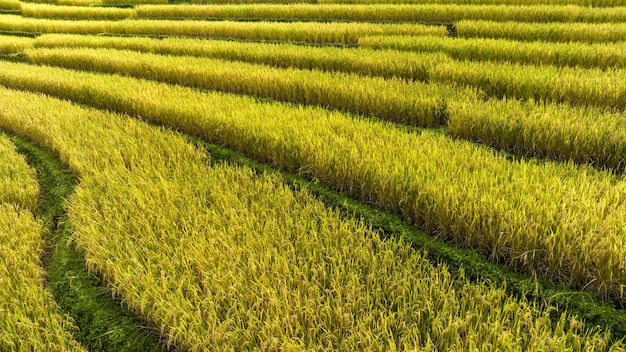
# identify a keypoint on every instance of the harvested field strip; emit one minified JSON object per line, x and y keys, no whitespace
{"x":601,"y":56}
{"x":246,"y":262}
{"x":546,"y":32}
{"x":394,"y":99}
{"x":434,"y":13}
{"x":524,"y":213}
{"x":103,"y":323}
{"x":29,"y":317}
{"x":580,"y":134}
{"x":306,"y":32}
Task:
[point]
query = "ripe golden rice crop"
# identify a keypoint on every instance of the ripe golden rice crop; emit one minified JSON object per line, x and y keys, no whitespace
{"x":555,"y":131}
{"x":526,"y":213}
{"x":392,"y":99}
{"x":383,"y":63}
{"x":412,"y":103}
{"x":14,"y":45}
{"x":216,"y":256}
{"x":309,"y":32}
{"x":590,"y":3}
{"x":18,"y":185}
{"x":575,"y":86}
{"x":30,"y":320}
{"x":75,"y":12}
{"x":547,"y":32}
{"x":11,"y":5}
{"x":436,"y":13}
{"x":601,"y":56}
{"x":220,"y":257}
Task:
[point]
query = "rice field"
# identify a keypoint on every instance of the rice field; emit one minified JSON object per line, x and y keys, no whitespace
{"x":602,"y":56}
{"x":31,"y":318}
{"x":495,"y":127}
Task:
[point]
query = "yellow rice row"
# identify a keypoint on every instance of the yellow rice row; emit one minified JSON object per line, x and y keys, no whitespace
{"x":220,"y":258}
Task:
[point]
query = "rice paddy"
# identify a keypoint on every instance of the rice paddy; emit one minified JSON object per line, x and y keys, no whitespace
{"x":495,"y":127}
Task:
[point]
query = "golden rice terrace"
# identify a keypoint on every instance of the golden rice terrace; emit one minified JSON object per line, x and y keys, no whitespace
{"x":299,"y":175}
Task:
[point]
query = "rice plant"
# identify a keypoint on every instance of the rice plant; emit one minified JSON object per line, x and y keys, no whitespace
{"x":18,"y":184}
{"x":383,"y":63}
{"x":547,"y":32}
{"x":587,"y":3}
{"x":574,"y":86}
{"x":307,"y":32}
{"x":75,"y":12}
{"x":13,"y":45}
{"x":10,"y":5}
{"x":577,"y":87}
{"x":528,"y":214}
{"x":582,"y":135}
{"x":583,"y":55}
{"x":437,"y":13}
{"x":219,"y":257}
{"x":30,"y":320}
{"x":392,"y":99}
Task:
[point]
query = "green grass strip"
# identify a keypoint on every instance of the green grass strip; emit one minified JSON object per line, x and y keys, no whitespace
{"x":474,"y":265}
{"x":105,"y":325}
